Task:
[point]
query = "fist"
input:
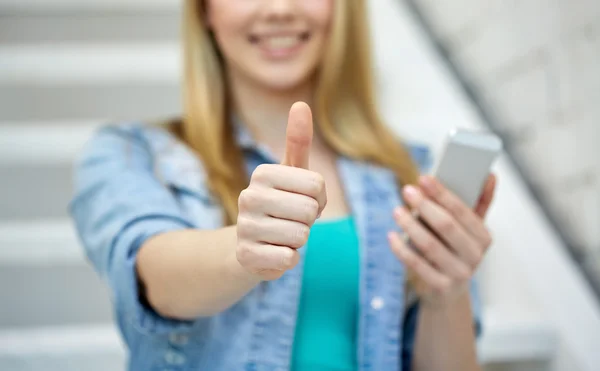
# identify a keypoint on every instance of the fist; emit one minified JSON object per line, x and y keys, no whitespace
{"x":281,"y":204}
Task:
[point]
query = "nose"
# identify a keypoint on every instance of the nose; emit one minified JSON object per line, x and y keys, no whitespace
{"x":279,"y":9}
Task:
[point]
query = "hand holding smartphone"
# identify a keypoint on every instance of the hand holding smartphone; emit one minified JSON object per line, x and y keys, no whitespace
{"x":449,"y":242}
{"x":465,"y":165}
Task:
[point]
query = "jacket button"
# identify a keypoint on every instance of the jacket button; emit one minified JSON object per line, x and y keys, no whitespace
{"x":179,"y":339}
{"x":174,"y":358}
{"x":377,"y":303}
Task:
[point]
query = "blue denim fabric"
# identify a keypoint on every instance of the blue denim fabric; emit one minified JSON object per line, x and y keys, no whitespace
{"x":135,"y":181}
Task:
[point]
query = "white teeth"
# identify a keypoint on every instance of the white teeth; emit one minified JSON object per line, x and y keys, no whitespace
{"x":282,"y":42}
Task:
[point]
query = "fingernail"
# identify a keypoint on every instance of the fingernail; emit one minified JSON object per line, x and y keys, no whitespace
{"x":411,"y":193}
{"x":287,"y":261}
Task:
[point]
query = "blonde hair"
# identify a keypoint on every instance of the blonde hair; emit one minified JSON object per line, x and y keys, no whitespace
{"x":345,"y":112}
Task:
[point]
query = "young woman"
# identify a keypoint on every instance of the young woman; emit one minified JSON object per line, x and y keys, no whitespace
{"x":232,"y":241}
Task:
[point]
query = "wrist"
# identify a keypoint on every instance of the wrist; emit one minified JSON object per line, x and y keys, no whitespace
{"x":444,"y":302}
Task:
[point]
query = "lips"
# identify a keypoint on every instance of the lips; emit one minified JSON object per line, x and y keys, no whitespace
{"x":281,"y":46}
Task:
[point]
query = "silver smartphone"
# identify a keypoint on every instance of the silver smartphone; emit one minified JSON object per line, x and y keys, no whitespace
{"x":466,"y":162}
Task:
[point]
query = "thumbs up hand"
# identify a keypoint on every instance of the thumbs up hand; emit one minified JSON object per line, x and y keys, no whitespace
{"x":281,"y":204}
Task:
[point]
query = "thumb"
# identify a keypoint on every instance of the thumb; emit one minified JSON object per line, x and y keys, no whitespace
{"x":298,"y":136}
{"x":487,"y":196}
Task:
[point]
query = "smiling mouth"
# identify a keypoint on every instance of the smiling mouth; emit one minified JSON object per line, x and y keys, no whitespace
{"x":275,"y":42}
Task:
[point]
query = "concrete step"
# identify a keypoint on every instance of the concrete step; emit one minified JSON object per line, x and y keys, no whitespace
{"x":51,"y":242}
{"x":107,"y":63}
{"x":44,"y":142}
{"x":115,"y":102}
{"x":33,"y":192}
{"x":51,"y":295}
{"x":89,"y":27}
{"x":51,"y":282}
{"x":92,"y":347}
{"x":71,"y":6}
{"x":34,"y":153}
{"x":76,"y":81}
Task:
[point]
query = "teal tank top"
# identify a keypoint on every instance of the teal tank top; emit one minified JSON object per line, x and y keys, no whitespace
{"x":327,"y":324}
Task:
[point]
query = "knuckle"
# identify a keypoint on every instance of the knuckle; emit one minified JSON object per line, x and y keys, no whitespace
{"x":442,"y":286}
{"x":487,"y":239}
{"x":245,"y":226}
{"x":446,"y":226}
{"x":242,"y":227}
{"x":465,"y":273}
{"x":261,"y":173}
{"x":456,"y":208}
{"x":243,"y":252}
{"x":246,"y":200}
{"x":477,"y":257}
{"x":428,"y":246}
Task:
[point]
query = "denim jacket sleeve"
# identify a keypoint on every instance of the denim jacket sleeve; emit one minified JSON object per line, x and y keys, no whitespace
{"x":118,"y":204}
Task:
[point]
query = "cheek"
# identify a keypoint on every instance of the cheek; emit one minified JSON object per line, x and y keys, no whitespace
{"x":228,"y":20}
{"x":319,"y":12}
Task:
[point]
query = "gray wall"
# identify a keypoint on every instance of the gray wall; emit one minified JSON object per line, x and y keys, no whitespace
{"x":535,"y":66}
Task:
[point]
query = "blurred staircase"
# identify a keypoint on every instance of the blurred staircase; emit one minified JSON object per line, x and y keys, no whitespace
{"x":67,"y":66}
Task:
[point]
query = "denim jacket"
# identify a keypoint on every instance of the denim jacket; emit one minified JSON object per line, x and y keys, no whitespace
{"x":134,"y":181}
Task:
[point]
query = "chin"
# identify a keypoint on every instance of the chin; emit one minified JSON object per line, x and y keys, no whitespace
{"x":283,"y":86}
{"x":284,"y":80}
